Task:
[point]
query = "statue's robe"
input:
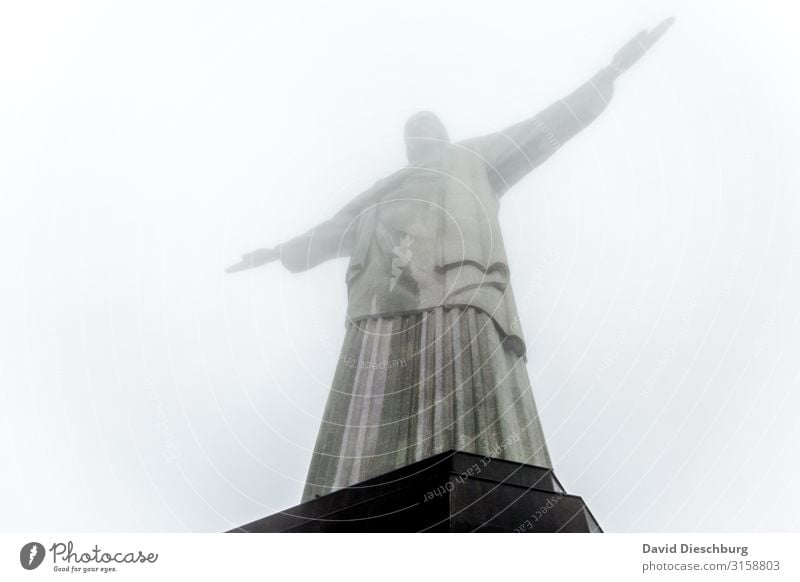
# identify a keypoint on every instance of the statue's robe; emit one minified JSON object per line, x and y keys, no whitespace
{"x":434,"y":356}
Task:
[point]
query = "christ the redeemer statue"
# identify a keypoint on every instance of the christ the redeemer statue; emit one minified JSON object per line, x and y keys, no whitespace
{"x":433,"y":356}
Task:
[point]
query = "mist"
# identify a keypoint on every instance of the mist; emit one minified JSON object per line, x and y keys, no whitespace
{"x":147,"y":146}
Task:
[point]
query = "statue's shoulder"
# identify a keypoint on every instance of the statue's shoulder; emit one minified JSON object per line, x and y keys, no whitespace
{"x":376,"y":191}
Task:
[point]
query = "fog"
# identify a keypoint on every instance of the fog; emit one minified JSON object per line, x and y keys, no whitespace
{"x":145,"y":146}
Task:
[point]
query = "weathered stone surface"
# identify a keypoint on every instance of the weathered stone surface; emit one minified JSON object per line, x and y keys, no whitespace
{"x":412,"y":386}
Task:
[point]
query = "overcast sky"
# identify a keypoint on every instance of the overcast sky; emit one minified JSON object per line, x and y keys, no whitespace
{"x":145,"y":145}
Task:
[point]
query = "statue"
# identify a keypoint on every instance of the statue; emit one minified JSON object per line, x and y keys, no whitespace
{"x":433,"y":356}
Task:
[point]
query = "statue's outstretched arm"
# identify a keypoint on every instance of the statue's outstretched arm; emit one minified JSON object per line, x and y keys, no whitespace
{"x":331,"y":239}
{"x":517,"y":150}
{"x":255,"y":259}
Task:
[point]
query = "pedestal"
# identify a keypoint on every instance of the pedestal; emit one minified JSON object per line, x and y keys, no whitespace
{"x":450,"y":492}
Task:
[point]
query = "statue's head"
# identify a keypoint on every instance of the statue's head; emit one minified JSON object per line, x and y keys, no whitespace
{"x":426,"y":137}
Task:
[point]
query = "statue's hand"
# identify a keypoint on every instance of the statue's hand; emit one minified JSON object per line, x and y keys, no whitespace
{"x":255,"y":259}
{"x":637,"y":46}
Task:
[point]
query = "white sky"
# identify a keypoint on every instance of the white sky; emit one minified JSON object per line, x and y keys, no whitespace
{"x":146,"y":145}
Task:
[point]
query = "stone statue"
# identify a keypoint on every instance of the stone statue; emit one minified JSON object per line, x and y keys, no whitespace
{"x":434,"y":356}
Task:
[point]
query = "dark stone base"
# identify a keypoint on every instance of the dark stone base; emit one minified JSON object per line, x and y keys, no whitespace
{"x":450,"y":492}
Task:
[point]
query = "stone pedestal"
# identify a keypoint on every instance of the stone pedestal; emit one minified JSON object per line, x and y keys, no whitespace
{"x":450,"y":492}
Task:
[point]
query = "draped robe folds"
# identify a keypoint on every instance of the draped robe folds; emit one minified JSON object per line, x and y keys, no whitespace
{"x":424,"y":244}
